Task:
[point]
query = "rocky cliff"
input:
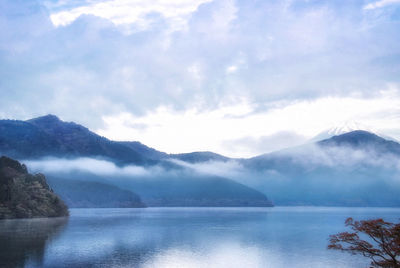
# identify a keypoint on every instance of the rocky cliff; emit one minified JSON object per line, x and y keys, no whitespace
{"x":23,"y":195}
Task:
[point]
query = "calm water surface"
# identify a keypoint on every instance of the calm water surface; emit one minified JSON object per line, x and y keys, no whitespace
{"x":183,"y":237}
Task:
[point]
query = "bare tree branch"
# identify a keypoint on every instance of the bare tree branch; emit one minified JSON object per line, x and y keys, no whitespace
{"x":383,"y":247}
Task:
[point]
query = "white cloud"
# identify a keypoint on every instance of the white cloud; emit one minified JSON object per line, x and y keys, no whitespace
{"x":195,"y":70}
{"x":265,"y":144}
{"x":380,"y":4}
{"x":277,"y":66}
{"x":195,"y":130}
{"x":312,"y":156}
{"x":231,"y":69}
{"x":94,"y":166}
{"x":125,"y":12}
{"x":239,"y":63}
{"x":228,"y":169}
{"x":224,"y":16}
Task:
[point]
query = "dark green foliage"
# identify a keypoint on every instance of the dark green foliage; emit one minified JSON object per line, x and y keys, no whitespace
{"x":23,"y":195}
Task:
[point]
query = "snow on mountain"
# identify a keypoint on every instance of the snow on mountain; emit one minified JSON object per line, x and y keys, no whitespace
{"x":345,"y":128}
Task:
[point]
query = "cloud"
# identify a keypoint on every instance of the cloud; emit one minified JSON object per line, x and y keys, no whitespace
{"x":312,"y":156}
{"x":228,"y":169}
{"x":380,"y":4}
{"x":311,"y":175}
{"x":127,"y":12}
{"x":306,"y":175}
{"x":276,"y":141}
{"x":244,"y":130}
{"x":90,"y":165}
{"x":290,"y":60}
{"x":309,"y":157}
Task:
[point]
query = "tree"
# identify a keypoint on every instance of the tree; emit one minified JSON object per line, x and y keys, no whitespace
{"x":381,"y":244}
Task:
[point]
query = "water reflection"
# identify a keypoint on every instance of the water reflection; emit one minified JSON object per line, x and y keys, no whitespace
{"x":183,"y":237}
{"x":23,"y":242}
{"x":134,"y":237}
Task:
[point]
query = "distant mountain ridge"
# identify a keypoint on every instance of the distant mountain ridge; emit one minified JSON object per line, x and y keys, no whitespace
{"x":361,"y":139}
{"x":198,"y":157}
{"x":357,"y":168}
{"x":48,"y":136}
{"x":346,"y":128}
{"x":89,"y":194}
{"x":77,"y":140}
{"x":144,"y":150}
{"x":320,"y":173}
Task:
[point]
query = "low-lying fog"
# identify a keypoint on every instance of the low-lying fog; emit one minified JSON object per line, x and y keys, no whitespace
{"x":309,"y":174}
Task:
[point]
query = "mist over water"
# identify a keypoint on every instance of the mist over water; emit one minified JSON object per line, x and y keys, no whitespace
{"x":189,"y":237}
{"x":305,"y":175}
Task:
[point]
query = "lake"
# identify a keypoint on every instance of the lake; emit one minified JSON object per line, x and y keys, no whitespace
{"x":184,"y":237}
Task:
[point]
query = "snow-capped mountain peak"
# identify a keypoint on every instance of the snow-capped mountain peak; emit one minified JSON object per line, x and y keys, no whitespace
{"x":345,"y":128}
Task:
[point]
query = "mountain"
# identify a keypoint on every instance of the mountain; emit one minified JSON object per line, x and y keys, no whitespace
{"x":23,"y":195}
{"x":186,"y":189}
{"x":49,"y":136}
{"x":24,"y":140}
{"x":76,"y":140}
{"x":144,"y":150}
{"x":90,"y":194}
{"x":358,"y":168}
{"x":173,"y":188}
{"x":355,"y":140}
{"x":198,"y":157}
{"x":363,"y":140}
{"x":193,"y":157}
{"x":346,"y":128}
{"x":160,"y":181}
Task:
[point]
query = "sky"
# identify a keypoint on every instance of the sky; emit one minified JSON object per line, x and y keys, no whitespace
{"x":236,"y":77}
